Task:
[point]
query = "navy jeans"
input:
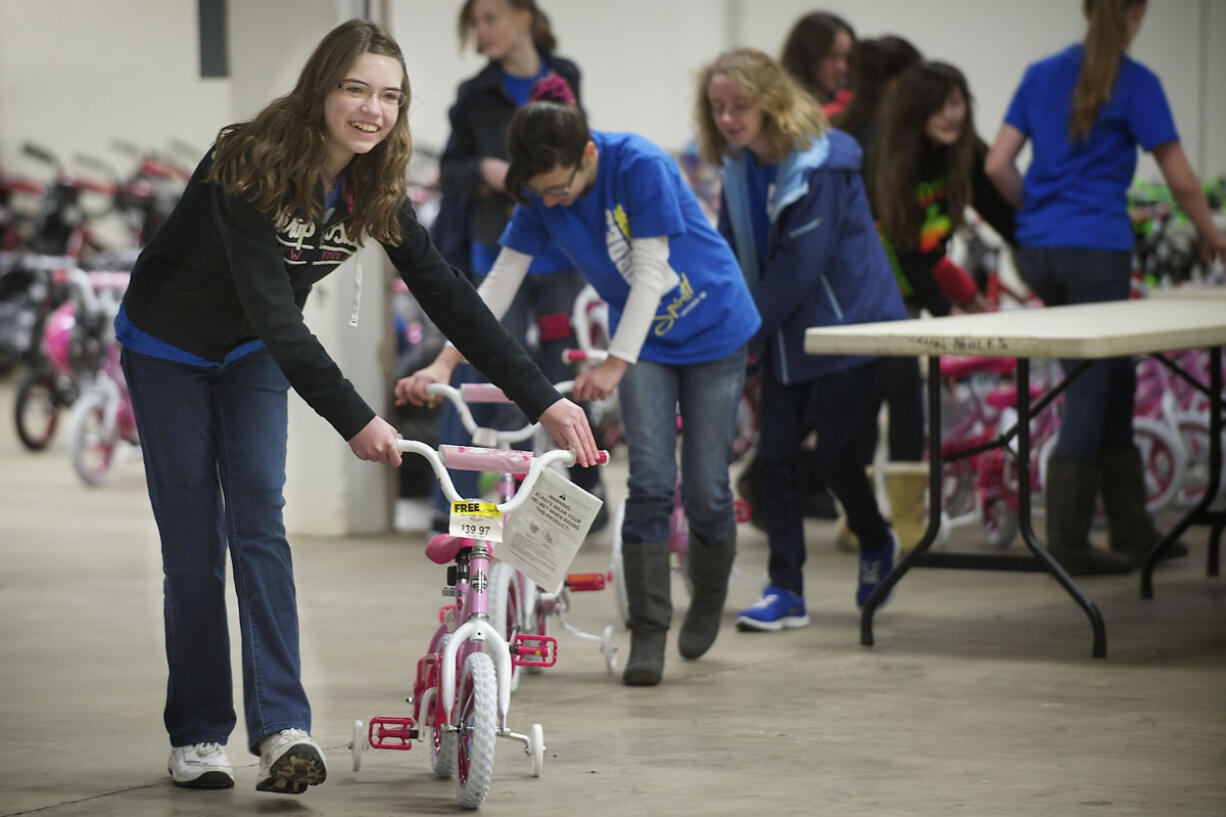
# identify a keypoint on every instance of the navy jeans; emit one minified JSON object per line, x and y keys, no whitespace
{"x":833,"y":406}
{"x":707,"y":395}
{"x":1098,"y":405}
{"x":214,"y":444}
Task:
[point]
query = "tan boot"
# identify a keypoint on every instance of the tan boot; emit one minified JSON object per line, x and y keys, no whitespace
{"x":907,"y":486}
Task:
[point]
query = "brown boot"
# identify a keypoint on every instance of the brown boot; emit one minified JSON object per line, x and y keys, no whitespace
{"x":1071,"y":491}
{"x":708,"y":569}
{"x":651,"y":611}
{"x":1132,"y":528}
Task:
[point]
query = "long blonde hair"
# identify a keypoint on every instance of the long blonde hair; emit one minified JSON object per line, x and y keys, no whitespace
{"x":1106,"y":37}
{"x":791,"y":118}
{"x":276,"y":160}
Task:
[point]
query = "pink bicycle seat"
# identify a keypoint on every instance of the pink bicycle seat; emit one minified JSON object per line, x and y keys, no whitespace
{"x":442,"y":549}
{"x":1006,"y":396}
{"x":959,"y":367}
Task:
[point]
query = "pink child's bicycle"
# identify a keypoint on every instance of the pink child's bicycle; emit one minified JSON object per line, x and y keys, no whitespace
{"x":462,"y":691}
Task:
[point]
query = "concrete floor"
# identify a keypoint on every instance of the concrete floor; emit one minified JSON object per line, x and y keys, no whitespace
{"x":980,"y":697}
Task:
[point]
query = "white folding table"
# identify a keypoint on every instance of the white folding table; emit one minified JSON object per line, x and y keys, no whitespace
{"x":1086,"y":332}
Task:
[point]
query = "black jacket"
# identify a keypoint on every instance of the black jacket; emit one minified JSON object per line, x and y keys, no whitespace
{"x":219,"y":274}
{"x":479,"y":120}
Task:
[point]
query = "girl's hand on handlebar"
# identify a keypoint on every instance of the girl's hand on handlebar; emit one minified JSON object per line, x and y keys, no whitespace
{"x":599,"y":381}
{"x":567,"y":425}
{"x":376,"y":442}
{"x":412,"y":389}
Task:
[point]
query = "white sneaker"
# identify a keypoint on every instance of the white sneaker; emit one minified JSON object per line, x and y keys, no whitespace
{"x":289,"y":762}
{"x":200,"y":766}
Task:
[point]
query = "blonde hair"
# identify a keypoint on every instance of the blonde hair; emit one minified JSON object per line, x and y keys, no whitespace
{"x":1106,"y":38}
{"x":790,"y":117}
{"x":276,"y":160}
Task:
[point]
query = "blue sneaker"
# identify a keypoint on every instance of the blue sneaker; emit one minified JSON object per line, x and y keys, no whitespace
{"x":778,"y":608}
{"x":875,"y":565}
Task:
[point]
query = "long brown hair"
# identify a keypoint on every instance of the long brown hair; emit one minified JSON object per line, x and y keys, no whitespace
{"x":790,"y":117}
{"x":807,"y":45}
{"x":1106,"y":36}
{"x":874,"y":63}
{"x":542,"y":33}
{"x":276,"y":160}
{"x":921,"y":91}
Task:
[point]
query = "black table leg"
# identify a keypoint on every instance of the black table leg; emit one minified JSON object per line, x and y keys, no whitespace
{"x":1201,"y":512}
{"x":934,"y":506}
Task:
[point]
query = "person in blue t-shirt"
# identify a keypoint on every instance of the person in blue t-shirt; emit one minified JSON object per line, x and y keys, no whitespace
{"x":681,"y":315}
{"x":517,"y":39}
{"x":1085,"y":110}
{"x":795,"y":212}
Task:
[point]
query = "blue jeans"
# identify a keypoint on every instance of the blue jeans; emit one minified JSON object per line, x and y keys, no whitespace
{"x":707,"y":396}
{"x":1098,"y":405}
{"x":548,"y":294}
{"x":214,"y":444}
{"x":833,"y":406}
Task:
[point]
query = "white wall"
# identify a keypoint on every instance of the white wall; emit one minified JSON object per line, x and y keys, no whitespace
{"x":638,"y":56}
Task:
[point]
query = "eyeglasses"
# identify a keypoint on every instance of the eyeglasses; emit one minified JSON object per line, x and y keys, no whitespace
{"x":388,"y":97}
{"x":559,"y":192}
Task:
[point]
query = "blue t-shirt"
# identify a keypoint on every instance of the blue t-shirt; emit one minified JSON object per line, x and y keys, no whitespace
{"x":639,"y":193}
{"x":759,"y":179}
{"x":1076,"y":193}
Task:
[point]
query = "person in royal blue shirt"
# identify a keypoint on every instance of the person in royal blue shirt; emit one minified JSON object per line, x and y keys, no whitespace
{"x":795,"y":212}
{"x":681,"y":315}
{"x":1085,"y":110}
{"x":518,"y":40}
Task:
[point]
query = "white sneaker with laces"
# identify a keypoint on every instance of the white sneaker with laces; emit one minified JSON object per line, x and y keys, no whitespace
{"x":200,"y":766}
{"x":289,"y":762}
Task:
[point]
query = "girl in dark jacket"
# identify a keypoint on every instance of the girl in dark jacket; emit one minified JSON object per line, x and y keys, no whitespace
{"x":795,"y":212}
{"x":213,"y":337}
{"x":516,"y":37}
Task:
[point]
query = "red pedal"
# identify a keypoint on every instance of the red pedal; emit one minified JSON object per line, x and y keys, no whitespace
{"x":742,"y":510}
{"x":580,"y":582}
{"x":444,"y":610}
{"x":391,"y":733}
{"x":534,"y":651}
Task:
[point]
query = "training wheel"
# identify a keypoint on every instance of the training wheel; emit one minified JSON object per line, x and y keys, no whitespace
{"x":609,"y":647}
{"x":536,"y":748}
{"x":358,"y":745}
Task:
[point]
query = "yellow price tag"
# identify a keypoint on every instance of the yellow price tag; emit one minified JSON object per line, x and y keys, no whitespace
{"x":476,"y":519}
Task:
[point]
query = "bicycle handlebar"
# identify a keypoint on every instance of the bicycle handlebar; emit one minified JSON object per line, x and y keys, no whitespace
{"x":484,"y":393}
{"x":584,"y":355}
{"x":470,"y":458}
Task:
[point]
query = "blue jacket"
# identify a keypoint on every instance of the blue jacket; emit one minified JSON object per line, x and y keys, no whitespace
{"x":825,"y":265}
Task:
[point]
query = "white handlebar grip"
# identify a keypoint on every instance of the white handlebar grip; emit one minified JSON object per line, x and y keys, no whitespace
{"x":471,"y":458}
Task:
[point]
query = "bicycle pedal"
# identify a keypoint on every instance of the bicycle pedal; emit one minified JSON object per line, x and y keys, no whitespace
{"x":444,"y":610}
{"x":391,"y":733}
{"x":582,"y":582}
{"x":742,"y":510}
{"x":534,"y":651}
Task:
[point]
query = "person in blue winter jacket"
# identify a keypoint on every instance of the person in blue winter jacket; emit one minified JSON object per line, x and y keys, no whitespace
{"x":795,"y":211}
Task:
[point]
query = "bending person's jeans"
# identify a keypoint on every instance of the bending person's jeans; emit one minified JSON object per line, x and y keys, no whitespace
{"x":707,"y":396}
{"x":214,"y":443}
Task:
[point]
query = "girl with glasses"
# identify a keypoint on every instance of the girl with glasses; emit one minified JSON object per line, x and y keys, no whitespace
{"x":681,"y":315}
{"x":213,"y":338}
